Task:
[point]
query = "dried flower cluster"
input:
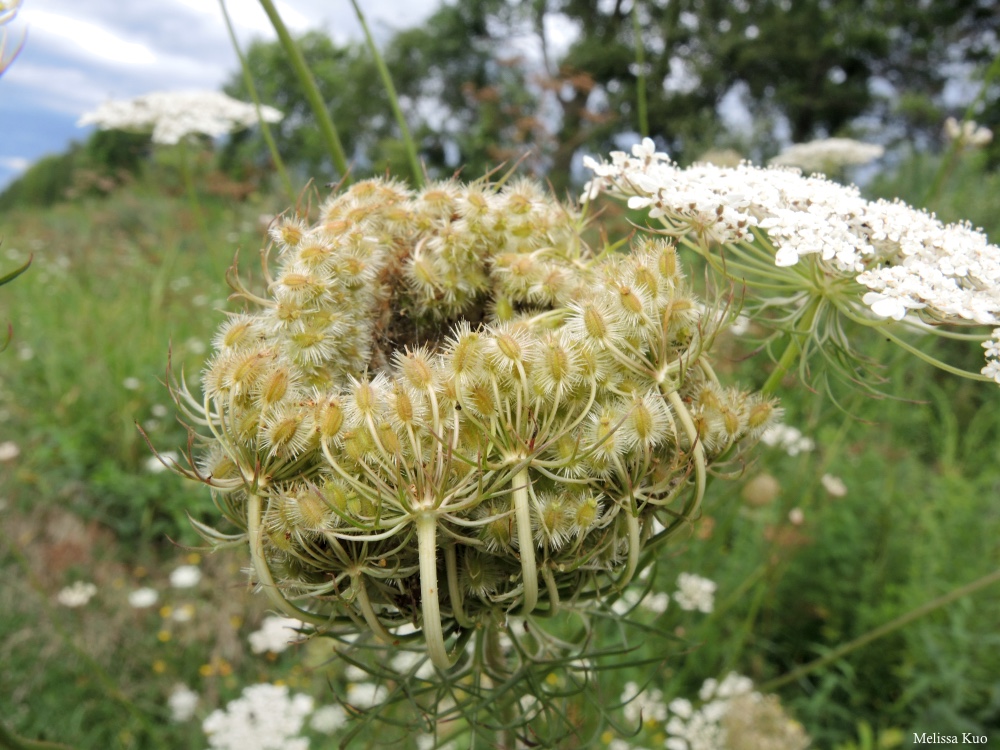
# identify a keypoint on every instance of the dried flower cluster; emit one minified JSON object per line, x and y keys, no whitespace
{"x":172,"y":115}
{"x":905,"y":260}
{"x":828,"y":155}
{"x":447,"y":408}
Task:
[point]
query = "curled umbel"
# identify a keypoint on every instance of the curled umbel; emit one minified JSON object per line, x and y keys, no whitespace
{"x":446,"y":407}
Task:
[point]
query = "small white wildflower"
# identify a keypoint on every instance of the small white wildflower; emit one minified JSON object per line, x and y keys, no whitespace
{"x":796,"y":516}
{"x":626,"y":602}
{"x":992,"y":347}
{"x":9,"y":450}
{"x":643,"y":705}
{"x":264,"y":717}
{"x":354,"y":673}
{"x":143,"y":598}
{"x":405,"y":661}
{"x":740,"y":326}
{"x":155,"y":464}
{"x":788,"y":438}
{"x":184,"y":613}
{"x":182,"y":703}
{"x":328,"y":719}
{"x":185,"y":576}
{"x":159,"y":411}
{"x":834,"y":486}
{"x":25,"y":353}
{"x":132,"y":384}
{"x":76,"y":594}
{"x":275,"y":635}
{"x":656,"y":603}
{"x":364,"y":695}
{"x":695,"y":593}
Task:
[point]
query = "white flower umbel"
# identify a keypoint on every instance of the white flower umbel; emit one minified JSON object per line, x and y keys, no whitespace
{"x":695,"y":593}
{"x":328,"y":719}
{"x":645,"y":705}
{"x":143,"y":598}
{"x":828,"y":155}
{"x":992,"y":347}
{"x":787,"y":438}
{"x":275,"y":635}
{"x":264,"y":717}
{"x":185,"y":576}
{"x":833,"y":485}
{"x":182,"y":703}
{"x":815,"y":249}
{"x":76,"y":594}
{"x":9,"y":451}
{"x":732,"y":716}
{"x":171,"y":115}
{"x":968,"y":133}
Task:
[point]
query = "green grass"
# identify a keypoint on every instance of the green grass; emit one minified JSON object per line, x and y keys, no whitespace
{"x":116,"y":283}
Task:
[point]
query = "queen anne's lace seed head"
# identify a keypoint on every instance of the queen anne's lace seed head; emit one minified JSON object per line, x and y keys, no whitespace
{"x":457,"y":361}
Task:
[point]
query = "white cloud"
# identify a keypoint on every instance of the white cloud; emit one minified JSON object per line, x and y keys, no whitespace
{"x":78,"y":37}
{"x":247,"y":15}
{"x":14,"y":163}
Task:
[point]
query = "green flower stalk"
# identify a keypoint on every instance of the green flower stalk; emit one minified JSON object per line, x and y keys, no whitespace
{"x":446,"y":408}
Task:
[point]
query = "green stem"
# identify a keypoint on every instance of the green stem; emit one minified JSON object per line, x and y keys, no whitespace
{"x":308,"y":83}
{"x":454,"y":590}
{"x":368,"y":612}
{"x":632,"y":523}
{"x":192,"y":193}
{"x":640,"y":61}
{"x":429,"y":603}
{"x":256,"y":533}
{"x":525,"y":539}
{"x":390,"y":90}
{"x":794,"y":348}
{"x":880,"y":631}
{"x":11,"y":741}
{"x":265,"y":129}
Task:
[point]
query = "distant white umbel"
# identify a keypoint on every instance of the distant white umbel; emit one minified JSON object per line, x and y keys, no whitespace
{"x":172,"y":115}
{"x":828,"y":155}
{"x":968,"y":133}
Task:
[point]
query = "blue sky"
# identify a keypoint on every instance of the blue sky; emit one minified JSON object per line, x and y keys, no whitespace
{"x":78,"y":55}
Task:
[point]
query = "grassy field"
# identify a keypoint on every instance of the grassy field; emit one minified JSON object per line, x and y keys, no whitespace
{"x":801,"y":567}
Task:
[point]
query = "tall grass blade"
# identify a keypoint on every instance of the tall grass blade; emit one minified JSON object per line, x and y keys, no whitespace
{"x":305,"y":76}
{"x":265,"y":129}
{"x":390,"y":90}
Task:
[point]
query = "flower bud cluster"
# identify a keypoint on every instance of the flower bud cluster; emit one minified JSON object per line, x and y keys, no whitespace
{"x":451,"y":386}
{"x":905,"y":260}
